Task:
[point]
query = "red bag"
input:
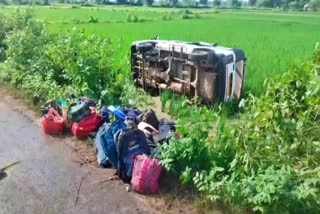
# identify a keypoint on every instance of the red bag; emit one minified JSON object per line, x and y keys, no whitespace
{"x":146,"y":174}
{"x":52,"y":123}
{"x":87,"y":125}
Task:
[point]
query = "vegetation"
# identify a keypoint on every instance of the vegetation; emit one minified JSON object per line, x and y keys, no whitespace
{"x":284,"y":4}
{"x":270,"y":39}
{"x":47,"y":66}
{"x":269,"y":159}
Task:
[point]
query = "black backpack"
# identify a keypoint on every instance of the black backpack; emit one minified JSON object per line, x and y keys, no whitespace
{"x":130,"y":143}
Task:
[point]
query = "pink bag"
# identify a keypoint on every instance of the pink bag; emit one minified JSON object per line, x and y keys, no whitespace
{"x":146,"y":174}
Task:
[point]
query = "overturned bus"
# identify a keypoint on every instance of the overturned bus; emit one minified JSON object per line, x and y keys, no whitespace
{"x":207,"y":72}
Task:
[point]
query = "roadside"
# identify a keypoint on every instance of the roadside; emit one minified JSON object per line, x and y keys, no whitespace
{"x":52,"y":176}
{"x":60,"y":174}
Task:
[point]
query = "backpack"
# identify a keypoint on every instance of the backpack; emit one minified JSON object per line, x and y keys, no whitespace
{"x":109,"y":146}
{"x":87,"y":125}
{"x":100,"y":147}
{"x":105,"y":114}
{"x":130,"y":143}
{"x":166,"y":125}
{"x":149,"y":117}
{"x":132,"y":114}
{"x":146,"y":174}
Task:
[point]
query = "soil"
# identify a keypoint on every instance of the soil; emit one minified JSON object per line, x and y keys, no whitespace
{"x":60,"y":174}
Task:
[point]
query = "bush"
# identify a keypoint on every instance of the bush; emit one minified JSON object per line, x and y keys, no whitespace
{"x":188,"y":12}
{"x":186,"y":157}
{"x":53,"y":66}
{"x":133,"y":18}
{"x":186,"y":16}
{"x":166,"y":18}
{"x":269,"y":159}
{"x":93,"y":20}
{"x":87,"y":4}
{"x":75,"y":6}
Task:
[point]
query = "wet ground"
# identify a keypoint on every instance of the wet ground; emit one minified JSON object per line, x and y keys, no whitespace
{"x":54,"y":174}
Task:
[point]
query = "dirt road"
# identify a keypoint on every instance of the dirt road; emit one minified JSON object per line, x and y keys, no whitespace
{"x":49,"y":175}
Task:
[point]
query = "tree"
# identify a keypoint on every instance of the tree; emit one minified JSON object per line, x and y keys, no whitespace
{"x":265,"y":3}
{"x":252,"y":2}
{"x":314,"y":5}
{"x":293,"y":5}
{"x":149,"y":2}
{"x":139,"y":3}
{"x":4,"y":2}
{"x":217,"y":3}
{"x":46,"y":2}
{"x":205,"y":2}
{"x":174,"y":3}
{"x":189,"y":3}
{"x":121,"y":1}
{"x":236,"y":3}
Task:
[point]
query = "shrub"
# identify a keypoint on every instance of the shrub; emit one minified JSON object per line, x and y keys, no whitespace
{"x":135,"y":97}
{"x":93,"y":20}
{"x":269,"y":159}
{"x":75,"y":6}
{"x":186,"y":11}
{"x":186,"y":157}
{"x":87,"y":4}
{"x":166,"y":18}
{"x":133,"y":18}
{"x":52,"y":66}
{"x":186,"y":16}
{"x":128,"y":18}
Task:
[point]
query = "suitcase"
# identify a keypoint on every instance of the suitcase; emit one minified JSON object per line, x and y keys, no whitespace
{"x":87,"y":125}
{"x":78,"y":111}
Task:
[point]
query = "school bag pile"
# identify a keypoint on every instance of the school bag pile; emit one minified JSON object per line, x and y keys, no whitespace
{"x":125,"y":138}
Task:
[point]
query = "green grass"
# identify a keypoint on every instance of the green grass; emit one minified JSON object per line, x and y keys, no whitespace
{"x":270,"y":39}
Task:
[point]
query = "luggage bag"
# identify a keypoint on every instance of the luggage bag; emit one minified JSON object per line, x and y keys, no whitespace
{"x":52,"y":123}
{"x":146,"y":174}
{"x":87,"y":125}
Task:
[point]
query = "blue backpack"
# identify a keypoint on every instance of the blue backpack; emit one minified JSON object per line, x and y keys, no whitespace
{"x":99,"y":144}
{"x":130,"y":143}
{"x":105,"y":144}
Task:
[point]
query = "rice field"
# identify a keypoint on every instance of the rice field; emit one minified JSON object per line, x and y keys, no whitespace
{"x":271,"y":39}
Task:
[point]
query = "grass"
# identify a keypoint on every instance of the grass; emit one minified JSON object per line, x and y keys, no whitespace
{"x":270,"y":39}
